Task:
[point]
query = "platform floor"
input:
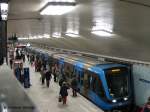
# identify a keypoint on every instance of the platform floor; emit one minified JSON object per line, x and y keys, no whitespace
{"x":46,"y":99}
{"x":13,"y":98}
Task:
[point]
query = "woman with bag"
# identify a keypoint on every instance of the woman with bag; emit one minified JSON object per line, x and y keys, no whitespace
{"x":64,"y":92}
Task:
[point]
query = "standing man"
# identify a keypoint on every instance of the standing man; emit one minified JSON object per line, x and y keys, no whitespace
{"x":74,"y":85}
{"x":48,"y":77}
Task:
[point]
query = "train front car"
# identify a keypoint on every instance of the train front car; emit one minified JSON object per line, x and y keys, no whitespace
{"x":116,"y":80}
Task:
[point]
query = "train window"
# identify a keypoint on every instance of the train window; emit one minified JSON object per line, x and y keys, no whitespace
{"x":93,"y":84}
{"x":96,"y":85}
{"x":117,"y":80}
{"x":89,"y":81}
{"x":68,"y":70}
{"x":78,"y":75}
{"x":85,"y":80}
{"x":82,"y":77}
{"x":99,"y":88}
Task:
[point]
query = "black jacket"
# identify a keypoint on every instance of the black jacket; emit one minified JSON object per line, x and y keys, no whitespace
{"x":48,"y":75}
{"x":74,"y":83}
{"x":63,"y":90}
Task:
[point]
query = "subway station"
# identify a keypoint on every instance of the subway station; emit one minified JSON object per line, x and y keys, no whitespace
{"x":74,"y":56}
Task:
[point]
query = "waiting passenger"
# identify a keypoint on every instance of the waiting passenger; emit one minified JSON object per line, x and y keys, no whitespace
{"x":74,"y":85}
{"x":48,"y":77}
{"x":23,"y":57}
{"x":36,"y":65}
{"x":43,"y":75}
{"x":55,"y":73}
{"x":28,"y":56}
{"x":63,"y":79}
{"x":63,"y":92}
{"x":11,"y":63}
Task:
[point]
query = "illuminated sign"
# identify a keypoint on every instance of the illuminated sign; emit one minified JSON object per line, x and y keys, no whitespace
{"x":115,"y":70}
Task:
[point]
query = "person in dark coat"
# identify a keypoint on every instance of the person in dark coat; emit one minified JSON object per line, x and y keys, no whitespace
{"x":48,"y":77}
{"x":39,"y":65}
{"x":28,"y":56}
{"x":63,"y":92}
{"x":54,"y":74}
{"x":23,"y":57}
{"x":11,"y":63}
{"x":43,"y":75}
{"x":74,"y":85}
{"x":63,"y":79}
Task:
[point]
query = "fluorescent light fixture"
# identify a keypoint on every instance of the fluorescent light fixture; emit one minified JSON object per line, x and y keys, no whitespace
{"x":56,"y":35}
{"x":4,"y":8}
{"x":72,"y":35}
{"x":61,"y":0}
{"x":102,"y":33}
{"x":57,"y":7}
{"x":46,"y":36}
{"x":28,"y":45}
{"x":23,"y":38}
{"x":4,"y":17}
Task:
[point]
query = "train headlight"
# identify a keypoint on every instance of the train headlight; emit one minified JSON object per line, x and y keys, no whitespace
{"x":125,"y":98}
{"x":114,"y":101}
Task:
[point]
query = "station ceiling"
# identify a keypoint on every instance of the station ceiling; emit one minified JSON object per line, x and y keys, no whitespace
{"x":128,"y":20}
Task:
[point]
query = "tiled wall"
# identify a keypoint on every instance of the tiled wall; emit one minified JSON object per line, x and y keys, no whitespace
{"x":141,"y":76}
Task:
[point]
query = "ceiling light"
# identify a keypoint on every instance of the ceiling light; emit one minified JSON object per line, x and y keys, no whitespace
{"x":57,"y":7}
{"x":28,"y":45}
{"x":46,"y":36}
{"x":72,"y":35}
{"x":23,"y":38}
{"x":102,"y":33}
{"x":56,"y":35}
{"x":4,"y":10}
{"x":4,"y":17}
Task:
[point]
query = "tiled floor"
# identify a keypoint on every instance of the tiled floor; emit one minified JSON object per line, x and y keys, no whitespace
{"x":46,"y":99}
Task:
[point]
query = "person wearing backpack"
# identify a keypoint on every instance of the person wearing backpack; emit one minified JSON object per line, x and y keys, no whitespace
{"x":63,"y":92}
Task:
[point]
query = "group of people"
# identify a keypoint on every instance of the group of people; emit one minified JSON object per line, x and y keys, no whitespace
{"x":47,"y":71}
{"x":46,"y":74}
{"x":20,"y":54}
{"x":63,"y":83}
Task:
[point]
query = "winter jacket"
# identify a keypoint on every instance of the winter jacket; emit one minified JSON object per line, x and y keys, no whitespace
{"x":63,"y":90}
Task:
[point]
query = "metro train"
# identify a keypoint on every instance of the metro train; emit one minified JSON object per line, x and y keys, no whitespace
{"x":106,"y":84}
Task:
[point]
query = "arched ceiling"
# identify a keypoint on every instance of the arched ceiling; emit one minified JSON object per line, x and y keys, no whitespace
{"x":127,"y":19}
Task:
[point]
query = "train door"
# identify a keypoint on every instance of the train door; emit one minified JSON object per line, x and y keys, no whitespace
{"x":79,"y":75}
{"x":61,"y":67}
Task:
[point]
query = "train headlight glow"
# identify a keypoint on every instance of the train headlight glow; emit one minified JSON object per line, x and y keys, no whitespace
{"x":114,"y":101}
{"x":125,"y":99}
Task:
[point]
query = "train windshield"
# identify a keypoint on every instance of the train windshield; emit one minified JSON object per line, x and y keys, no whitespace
{"x":117,"y":80}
